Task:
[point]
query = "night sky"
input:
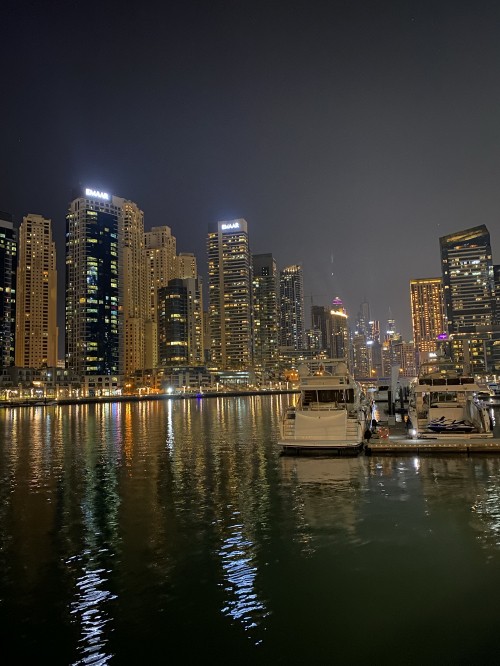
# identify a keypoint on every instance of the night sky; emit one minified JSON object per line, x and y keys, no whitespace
{"x":350,"y":135}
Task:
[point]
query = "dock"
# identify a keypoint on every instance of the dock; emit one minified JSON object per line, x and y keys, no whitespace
{"x":397,"y":442}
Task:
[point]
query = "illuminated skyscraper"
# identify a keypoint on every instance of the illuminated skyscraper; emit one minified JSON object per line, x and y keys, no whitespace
{"x":427,"y":315}
{"x":134,"y":292}
{"x":185,"y":266}
{"x":161,"y":268}
{"x":180,"y":323}
{"x":339,"y":346}
{"x":92,"y":345}
{"x":36,"y":317}
{"x":469,"y":297}
{"x":265,"y":312}
{"x":230,"y":303}
{"x":8,"y":265}
{"x":292,"y":326}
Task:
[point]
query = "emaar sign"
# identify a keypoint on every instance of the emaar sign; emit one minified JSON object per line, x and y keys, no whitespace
{"x":96,"y":194}
{"x":229,"y":226}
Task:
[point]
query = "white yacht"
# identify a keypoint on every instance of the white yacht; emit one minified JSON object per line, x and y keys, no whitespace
{"x":444,"y":404}
{"x":331,"y":412}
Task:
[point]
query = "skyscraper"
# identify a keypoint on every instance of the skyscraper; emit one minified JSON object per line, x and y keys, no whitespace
{"x":427,"y":315}
{"x":339,"y":346}
{"x":265,"y":312}
{"x":92,"y":345}
{"x":8,"y":265}
{"x":180,"y":323}
{"x":319,"y":322}
{"x":36,"y":317}
{"x":469,"y":297}
{"x":292,"y":326}
{"x":230,"y":302}
{"x":133,"y":286}
{"x":161,"y":268}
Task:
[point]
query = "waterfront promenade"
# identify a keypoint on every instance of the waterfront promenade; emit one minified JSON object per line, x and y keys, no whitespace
{"x":49,"y":402}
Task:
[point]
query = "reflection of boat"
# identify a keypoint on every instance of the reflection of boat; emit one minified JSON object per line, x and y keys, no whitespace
{"x":331,"y":412}
{"x":443,"y":402}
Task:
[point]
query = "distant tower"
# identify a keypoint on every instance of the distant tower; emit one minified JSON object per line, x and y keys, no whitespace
{"x":427,"y":315}
{"x":8,"y":265}
{"x":339,"y":346}
{"x":469,"y":296}
{"x":36,"y":320}
{"x":265,"y":312}
{"x":160,"y":247}
{"x":319,"y":322}
{"x":230,"y":302}
{"x":185,"y":266}
{"x":180,"y":320}
{"x":292,"y":328}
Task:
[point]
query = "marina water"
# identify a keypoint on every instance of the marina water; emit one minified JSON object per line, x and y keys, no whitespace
{"x":173,"y":531}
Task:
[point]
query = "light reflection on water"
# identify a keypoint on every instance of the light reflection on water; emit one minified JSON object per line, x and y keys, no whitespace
{"x":127,"y":529}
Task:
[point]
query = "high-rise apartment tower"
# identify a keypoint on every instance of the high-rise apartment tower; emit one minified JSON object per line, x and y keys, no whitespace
{"x":36,"y":317}
{"x":229,"y":288}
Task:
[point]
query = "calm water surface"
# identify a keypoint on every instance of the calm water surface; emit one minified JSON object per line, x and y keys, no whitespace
{"x":174,"y":532}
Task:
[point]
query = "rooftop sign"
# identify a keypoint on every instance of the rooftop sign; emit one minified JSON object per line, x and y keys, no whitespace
{"x":96,"y":194}
{"x":230,"y":225}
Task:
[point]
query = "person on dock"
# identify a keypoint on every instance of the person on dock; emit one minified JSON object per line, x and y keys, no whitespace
{"x":407,"y":424}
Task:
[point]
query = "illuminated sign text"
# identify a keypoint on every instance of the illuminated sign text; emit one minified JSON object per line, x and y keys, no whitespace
{"x":95,"y":193}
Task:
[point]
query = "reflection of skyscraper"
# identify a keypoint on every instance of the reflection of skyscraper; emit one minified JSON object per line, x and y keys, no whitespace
{"x":8,"y":264}
{"x":292,"y":329}
{"x":265,"y":311}
{"x":229,"y":284}
{"x":469,"y":293}
{"x":36,"y":320}
{"x":427,"y":314}
{"x":92,"y":284}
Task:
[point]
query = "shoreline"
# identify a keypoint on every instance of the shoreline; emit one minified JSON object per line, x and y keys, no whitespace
{"x":55,"y":402}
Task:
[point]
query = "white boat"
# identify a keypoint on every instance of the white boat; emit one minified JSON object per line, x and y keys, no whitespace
{"x":444,"y":404}
{"x":331,"y":412}
{"x":381,"y":393}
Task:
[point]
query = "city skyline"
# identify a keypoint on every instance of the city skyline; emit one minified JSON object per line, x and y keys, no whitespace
{"x":349,"y":136}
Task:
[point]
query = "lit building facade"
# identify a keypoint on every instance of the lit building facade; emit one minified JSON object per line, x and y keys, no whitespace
{"x":133,"y":286}
{"x":427,"y":315}
{"x":8,"y":266}
{"x":339,"y":343}
{"x":185,"y":266}
{"x":265,"y":312}
{"x":319,"y":322}
{"x":469,"y":297}
{"x":291,"y":309}
{"x":36,"y":316}
{"x":160,"y":248}
{"x":180,"y":323}
{"x":92,"y":344}
{"x":230,"y":299}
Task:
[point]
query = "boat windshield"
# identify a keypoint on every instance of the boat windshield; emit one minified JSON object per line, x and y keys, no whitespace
{"x":329,"y":396}
{"x":444,"y":396}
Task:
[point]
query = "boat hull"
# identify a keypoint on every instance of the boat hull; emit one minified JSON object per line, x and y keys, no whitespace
{"x":320,"y":447}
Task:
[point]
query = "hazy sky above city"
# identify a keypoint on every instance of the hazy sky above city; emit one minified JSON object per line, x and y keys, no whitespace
{"x":350,"y":135}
